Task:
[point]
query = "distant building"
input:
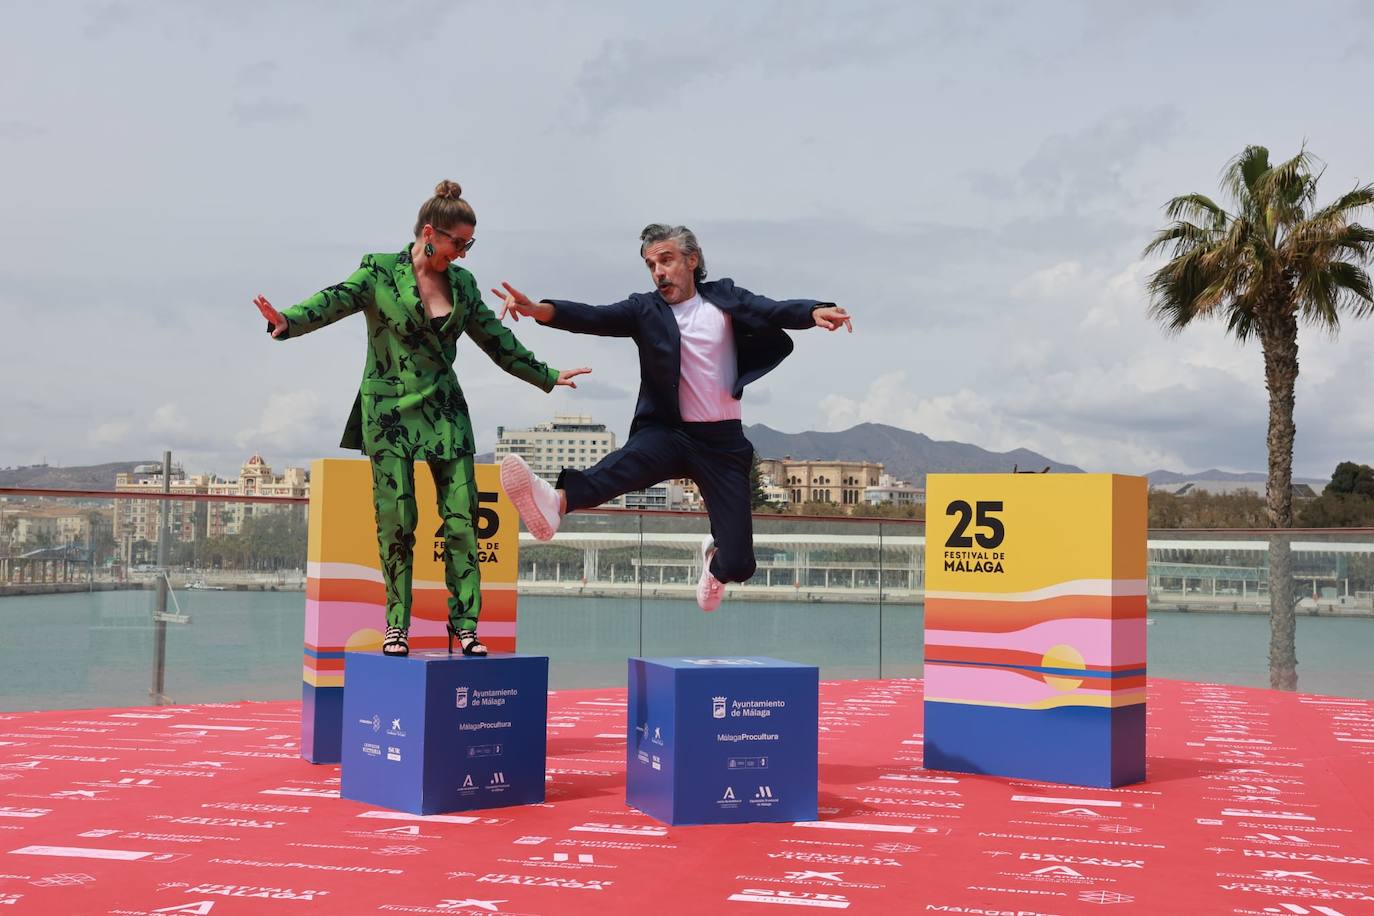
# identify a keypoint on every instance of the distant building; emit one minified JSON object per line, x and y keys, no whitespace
{"x":138,"y":519}
{"x":686,"y":496}
{"x":190,"y":520}
{"x":833,"y":481}
{"x":578,"y":441}
{"x":667,"y":496}
{"x":889,"y":490}
{"x":773,"y":492}
{"x":255,"y":479}
{"x":570,"y":441}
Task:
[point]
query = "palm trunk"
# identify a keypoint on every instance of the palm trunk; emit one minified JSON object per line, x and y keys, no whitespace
{"x":1279,"y":337}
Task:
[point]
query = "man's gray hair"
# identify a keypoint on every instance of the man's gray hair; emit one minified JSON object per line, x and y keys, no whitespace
{"x":684,"y":238}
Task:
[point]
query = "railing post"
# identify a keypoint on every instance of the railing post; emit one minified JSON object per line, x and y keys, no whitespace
{"x":160,"y":605}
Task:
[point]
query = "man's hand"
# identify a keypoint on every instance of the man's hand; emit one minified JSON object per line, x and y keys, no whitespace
{"x":566,"y":376}
{"x":274,"y":317}
{"x":516,"y":303}
{"x":831,"y":317}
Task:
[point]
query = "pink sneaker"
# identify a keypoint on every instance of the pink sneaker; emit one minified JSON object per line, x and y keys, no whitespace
{"x":534,"y":499}
{"x":709,"y":589}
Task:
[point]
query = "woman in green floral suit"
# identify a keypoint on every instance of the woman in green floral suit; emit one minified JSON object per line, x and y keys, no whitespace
{"x":409,"y":406}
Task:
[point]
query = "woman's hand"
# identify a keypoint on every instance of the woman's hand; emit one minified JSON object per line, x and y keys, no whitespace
{"x":274,"y":317}
{"x":832,"y":317}
{"x":516,"y":303}
{"x":566,"y":376}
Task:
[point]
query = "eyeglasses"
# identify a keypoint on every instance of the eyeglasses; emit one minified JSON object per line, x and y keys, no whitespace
{"x":460,"y":244}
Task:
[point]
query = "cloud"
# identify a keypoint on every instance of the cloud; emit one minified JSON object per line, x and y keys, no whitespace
{"x":820,"y":150}
{"x":21,"y":130}
{"x":168,"y":420}
{"x":267,"y":111}
{"x":654,"y":71}
{"x":110,"y":433}
{"x":105,"y":19}
{"x":290,"y":422}
{"x":1077,"y":171}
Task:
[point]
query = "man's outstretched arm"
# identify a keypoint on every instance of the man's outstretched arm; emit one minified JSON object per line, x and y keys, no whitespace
{"x":796,"y":314}
{"x":616,"y":320}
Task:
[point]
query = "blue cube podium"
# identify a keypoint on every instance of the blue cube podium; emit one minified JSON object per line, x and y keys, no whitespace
{"x":432,"y":732}
{"x":722,"y":740}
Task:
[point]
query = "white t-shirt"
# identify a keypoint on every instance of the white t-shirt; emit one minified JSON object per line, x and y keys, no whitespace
{"x":708,"y":362}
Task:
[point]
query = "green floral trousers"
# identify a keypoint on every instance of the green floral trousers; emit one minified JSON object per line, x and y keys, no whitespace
{"x":393,"y":496}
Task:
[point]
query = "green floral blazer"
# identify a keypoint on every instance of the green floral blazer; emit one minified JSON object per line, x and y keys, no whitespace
{"x":410,"y":404}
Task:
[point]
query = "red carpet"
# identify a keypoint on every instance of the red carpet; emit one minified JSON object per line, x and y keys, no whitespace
{"x":1257,"y":803}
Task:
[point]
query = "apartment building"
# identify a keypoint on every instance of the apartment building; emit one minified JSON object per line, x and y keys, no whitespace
{"x":138,"y":519}
{"x":570,"y":441}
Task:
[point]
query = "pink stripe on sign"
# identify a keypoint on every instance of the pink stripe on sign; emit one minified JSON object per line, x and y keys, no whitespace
{"x":993,"y":685}
{"x":1102,"y":642}
{"x":329,"y":624}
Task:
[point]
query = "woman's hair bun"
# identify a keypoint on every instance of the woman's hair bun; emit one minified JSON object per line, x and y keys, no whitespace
{"x":448,"y":190}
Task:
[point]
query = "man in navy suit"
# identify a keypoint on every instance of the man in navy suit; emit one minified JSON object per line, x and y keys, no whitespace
{"x":699,"y":344}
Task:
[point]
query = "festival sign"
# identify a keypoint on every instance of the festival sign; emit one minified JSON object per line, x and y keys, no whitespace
{"x":345,"y":606}
{"x":1035,"y":626}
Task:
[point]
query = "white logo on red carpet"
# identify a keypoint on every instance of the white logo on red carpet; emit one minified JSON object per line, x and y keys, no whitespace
{"x":790,"y":898}
{"x":832,"y":858}
{"x":1104,"y":897}
{"x":303,"y":792}
{"x":632,"y":830}
{"x":254,"y":891}
{"x":543,"y":881}
{"x":469,"y":903}
{"x":1305,"y":857}
{"x":67,"y":879}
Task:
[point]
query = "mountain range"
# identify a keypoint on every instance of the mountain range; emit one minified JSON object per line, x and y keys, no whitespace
{"x":905,"y":455}
{"x":1168,"y":477}
{"x":79,"y":477}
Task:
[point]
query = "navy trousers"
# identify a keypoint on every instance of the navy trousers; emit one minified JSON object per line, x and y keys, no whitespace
{"x":715,"y":455}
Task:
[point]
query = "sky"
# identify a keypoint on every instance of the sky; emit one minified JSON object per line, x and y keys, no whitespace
{"x":974,"y":181}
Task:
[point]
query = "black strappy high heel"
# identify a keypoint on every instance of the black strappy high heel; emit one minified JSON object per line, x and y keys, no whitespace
{"x":467,"y":641}
{"x":395,"y":642}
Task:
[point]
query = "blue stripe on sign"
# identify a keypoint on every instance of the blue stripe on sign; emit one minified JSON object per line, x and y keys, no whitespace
{"x":1069,"y":672}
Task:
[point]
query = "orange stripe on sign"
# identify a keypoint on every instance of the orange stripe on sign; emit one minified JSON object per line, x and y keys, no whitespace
{"x":498,"y":605}
{"x":1005,"y":616}
{"x":356,"y":590}
{"x":324,"y":664}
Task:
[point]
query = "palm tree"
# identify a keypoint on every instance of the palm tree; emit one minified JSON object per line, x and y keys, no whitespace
{"x":1274,"y":261}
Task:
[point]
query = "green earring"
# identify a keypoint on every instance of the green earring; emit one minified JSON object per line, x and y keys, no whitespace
{"x":429,"y":249}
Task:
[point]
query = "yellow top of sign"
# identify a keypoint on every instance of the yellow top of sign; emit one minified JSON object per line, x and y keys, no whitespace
{"x":351,"y":537}
{"x":1011,"y":534}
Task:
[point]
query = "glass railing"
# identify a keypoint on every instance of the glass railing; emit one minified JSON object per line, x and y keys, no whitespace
{"x":85,"y":602}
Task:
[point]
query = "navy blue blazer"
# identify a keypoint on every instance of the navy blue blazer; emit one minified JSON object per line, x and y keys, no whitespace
{"x":757,"y":323}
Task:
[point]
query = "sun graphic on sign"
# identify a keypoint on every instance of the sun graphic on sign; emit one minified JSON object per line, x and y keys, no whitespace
{"x":1062,"y":656}
{"x":364,"y":640}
